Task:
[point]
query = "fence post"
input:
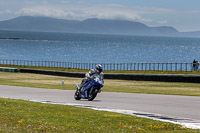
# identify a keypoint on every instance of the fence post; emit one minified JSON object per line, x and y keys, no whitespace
{"x":172,"y":66}
{"x":175,"y":66}
{"x":186,"y":66}
{"x":83,"y":65}
{"x":137,"y":65}
{"x":166,"y":66}
{"x":181,"y":66}
{"x":107,"y":66}
{"x":149,"y":66}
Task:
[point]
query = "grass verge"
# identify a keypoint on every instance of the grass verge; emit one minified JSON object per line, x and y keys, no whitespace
{"x":23,"y":116}
{"x":54,"y":82}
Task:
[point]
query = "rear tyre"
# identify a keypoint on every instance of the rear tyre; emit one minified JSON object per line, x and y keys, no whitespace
{"x":76,"y":95}
{"x":92,"y":95}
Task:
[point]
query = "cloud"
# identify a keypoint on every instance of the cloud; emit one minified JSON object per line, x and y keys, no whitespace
{"x":82,"y":11}
{"x":45,"y":11}
{"x":147,"y":10}
{"x":162,"y":22}
{"x":6,"y":12}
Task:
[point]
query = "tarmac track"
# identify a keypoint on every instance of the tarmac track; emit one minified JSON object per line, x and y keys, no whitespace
{"x":182,"y":109}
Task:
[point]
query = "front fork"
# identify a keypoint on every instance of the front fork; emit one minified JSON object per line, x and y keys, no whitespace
{"x":86,"y":90}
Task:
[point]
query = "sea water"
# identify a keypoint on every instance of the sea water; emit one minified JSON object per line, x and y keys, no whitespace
{"x":93,"y":48}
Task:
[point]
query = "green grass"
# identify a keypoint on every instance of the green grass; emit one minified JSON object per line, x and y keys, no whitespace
{"x":54,"y":82}
{"x":23,"y":116}
{"x":122,"y":71}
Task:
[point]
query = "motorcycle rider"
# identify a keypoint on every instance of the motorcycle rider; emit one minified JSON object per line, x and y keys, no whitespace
{"x":97,"y":72}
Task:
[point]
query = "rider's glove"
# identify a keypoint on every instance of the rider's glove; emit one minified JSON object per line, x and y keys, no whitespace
{"x":87,"y":75}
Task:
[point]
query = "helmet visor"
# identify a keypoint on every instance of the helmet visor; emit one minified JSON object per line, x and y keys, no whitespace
{"x":100,"y":70}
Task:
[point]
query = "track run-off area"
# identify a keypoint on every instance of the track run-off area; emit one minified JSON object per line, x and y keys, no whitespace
{"x":183,"y":110}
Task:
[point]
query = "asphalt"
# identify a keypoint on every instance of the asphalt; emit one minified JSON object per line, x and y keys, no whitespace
{"x":185,"y":108}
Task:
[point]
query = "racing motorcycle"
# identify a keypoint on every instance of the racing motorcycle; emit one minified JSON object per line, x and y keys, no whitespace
{"x":90,"y":93}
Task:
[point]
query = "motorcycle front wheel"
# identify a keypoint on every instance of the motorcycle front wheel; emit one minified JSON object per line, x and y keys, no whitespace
{"x":76,"y":95}
{"x":92,"y":95}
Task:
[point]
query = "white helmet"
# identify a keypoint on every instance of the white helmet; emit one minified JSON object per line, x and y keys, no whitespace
{"x":98,"y":68}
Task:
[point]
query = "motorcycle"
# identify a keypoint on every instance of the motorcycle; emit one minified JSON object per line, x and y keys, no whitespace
{"x":95,"y":87}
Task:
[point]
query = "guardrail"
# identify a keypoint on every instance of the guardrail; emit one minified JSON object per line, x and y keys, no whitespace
{"x":7,"y":69}
{"x":106,"y":66}
{"x":137,"y":77}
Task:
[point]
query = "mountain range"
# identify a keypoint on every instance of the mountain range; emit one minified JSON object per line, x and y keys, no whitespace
{"x":91,"y":26}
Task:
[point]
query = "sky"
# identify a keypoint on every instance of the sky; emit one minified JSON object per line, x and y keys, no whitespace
{"x":184,"y":15}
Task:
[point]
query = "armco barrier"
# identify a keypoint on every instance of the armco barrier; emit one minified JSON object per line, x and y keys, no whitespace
{"x":56,"y":73}
{"x":8,"y":69}
{"x":137,"y":77}
{"x":156,"y":77}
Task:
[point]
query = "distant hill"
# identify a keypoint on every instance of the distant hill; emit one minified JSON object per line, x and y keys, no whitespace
{"x":96,"y":26}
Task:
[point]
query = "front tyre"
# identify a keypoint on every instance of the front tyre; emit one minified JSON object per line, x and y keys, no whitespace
{"x":76,"y":95}
{"x":92,"y":95}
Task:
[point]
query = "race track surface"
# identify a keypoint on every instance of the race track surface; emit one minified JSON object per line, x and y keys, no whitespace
{"x":181,"y":108}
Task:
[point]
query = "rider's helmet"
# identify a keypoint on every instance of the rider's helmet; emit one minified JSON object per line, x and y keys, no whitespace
{"x":98,"y":68}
